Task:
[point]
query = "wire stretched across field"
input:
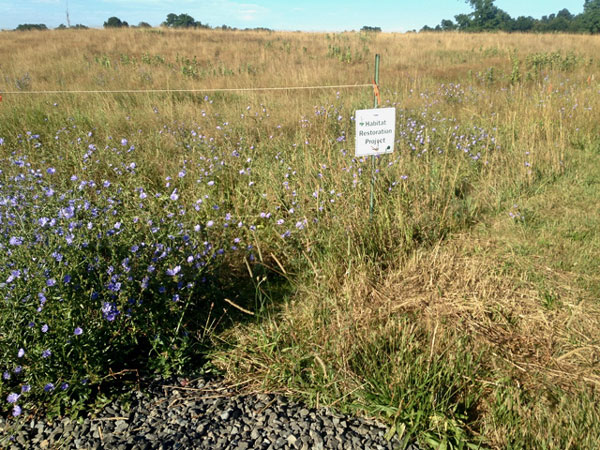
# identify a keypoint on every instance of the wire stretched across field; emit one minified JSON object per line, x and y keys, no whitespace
{"x":207,"y":90}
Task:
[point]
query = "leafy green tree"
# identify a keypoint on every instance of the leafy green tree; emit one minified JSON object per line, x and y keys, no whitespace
{"x":368,"y":29}
{"x":590,"y":18}
{"x":523,"y":24}
{"x":562,"y":21}
{"x":487,"y":16}
{"x":78,"y":26}
{"x":463,"y":21}
{"x":590,"y":5}
{"x":31,"y":26}
{"x":447,"y":25}
{"x":564,"y":14}
{"x":171,"y":20}
{"x":115,"y":22}
{"x":182,"y":21}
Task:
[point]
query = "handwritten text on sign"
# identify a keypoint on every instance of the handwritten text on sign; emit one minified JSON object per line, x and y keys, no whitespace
{"x":375,"y":131}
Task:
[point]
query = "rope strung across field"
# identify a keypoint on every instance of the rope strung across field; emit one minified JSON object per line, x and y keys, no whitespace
{"x":207,"y":90}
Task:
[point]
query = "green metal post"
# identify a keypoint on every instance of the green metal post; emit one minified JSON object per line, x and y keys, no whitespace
{"x":372,"y":202}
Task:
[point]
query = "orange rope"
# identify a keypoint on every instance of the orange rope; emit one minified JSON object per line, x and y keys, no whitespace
{"x":141,"y":91}
{"x":376,"y":92}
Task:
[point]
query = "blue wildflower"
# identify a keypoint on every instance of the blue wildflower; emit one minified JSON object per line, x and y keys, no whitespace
{"x":67,"y":213}
{"x":109,"y":311}
{"x":174,"y":271}
{"x":15,"y":240}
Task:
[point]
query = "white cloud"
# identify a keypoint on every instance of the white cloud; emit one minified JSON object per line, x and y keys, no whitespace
{"x":248,"y":12}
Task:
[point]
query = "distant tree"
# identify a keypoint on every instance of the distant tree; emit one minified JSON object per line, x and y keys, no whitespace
{"x":170,"y":20}
{"x":144,"y":25}
{"x":560,"y":22}
{"x":447,"y":25}
{"x":182,"y":21}
{"x":368,"y":29}
{"x":590,"y":5}
{"x":590,"y":18}
{"x":269,"y":30}
{"x":463,"y":21}
{"x":78,"y":26}
{"x":31,"y":26}
{"x":487,"y":16}
{"x":565,"y":14}
{"x":186,"y":21}
{"x":115,"y":22}
{"x":523,"y":24}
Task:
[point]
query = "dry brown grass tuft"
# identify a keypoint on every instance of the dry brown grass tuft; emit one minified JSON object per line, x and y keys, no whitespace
{"x":466,"y":285}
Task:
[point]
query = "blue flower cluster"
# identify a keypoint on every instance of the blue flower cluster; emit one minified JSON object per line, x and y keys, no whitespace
{"x":111,"y":252}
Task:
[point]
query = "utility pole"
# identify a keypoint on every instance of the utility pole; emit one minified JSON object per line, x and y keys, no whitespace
{"x":68,"y":20}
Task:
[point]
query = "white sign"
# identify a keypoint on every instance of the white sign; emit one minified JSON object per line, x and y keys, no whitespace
{"x":375,"y":131}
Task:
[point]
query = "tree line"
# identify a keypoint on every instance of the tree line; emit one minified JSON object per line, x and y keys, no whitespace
{"x":486,"y":16}
{"x":172,"y":21}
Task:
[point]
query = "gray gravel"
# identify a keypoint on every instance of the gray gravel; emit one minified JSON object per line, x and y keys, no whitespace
{"x":202,"y":415}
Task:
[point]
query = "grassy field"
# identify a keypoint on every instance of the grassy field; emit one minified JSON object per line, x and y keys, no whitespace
{"x":158,"y":232}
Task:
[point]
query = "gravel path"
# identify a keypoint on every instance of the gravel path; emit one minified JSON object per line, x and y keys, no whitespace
{"x":202,"y":415}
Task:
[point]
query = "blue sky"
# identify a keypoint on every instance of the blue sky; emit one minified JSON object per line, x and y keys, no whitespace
{"x":306,"y":15}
